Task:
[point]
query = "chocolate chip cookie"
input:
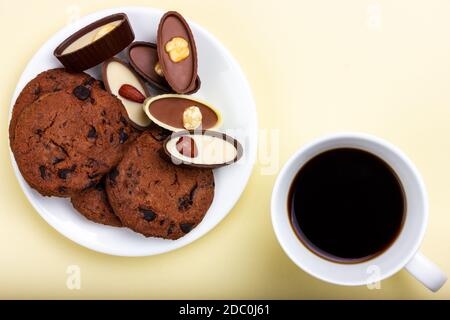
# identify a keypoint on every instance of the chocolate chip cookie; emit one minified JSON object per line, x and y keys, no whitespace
{"x":154,"y":197}
{"x":66,"y":141}
{"x":53,"y":80}
{"x":94,"y":205}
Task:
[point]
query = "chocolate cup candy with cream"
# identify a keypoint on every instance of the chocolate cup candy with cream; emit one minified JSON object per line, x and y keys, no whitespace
{"x":95,"y":43}
{"x":202,"y":149}
{"x":143,"y":57}
{"x":177,"y":52}
{"x":176,"y":112}
{"x":121,"y":81}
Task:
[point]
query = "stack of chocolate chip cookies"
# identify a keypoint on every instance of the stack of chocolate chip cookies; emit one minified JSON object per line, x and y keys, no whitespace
{"x":71,"y":138}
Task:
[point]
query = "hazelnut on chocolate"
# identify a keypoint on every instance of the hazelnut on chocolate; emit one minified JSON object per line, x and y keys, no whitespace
{"x":192,"y":118}
{"x":178,"y":49}
{"x":158,"y":69}
{"x":180,"y":112}
{"x":143,"y":57}
{"x":177,"y":53}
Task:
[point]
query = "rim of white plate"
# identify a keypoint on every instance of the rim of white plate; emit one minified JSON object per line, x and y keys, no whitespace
{"x":251,"y":150}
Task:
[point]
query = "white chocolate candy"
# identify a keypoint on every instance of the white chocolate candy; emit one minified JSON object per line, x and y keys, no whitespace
{"x":212,"y":151}
{"x":117,"y":75}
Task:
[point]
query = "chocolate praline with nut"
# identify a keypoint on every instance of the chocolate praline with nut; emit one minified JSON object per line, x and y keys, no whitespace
{"x":202,"y":149}
{"x":143,"y":57}
{"x":121,"y":81}
{"x":177,"y":52}
{"x":176,"y":112}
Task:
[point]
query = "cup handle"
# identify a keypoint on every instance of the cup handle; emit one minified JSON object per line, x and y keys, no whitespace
{"x":426,"y":271}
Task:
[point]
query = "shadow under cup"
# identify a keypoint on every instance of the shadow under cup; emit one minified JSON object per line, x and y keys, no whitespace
{"x":363,"y":270}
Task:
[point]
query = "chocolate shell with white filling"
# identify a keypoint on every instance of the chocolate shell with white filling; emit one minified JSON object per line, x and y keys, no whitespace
{"x":143,"y":57}
{"x":176,"y":112}
{"x":202,"y":149}
{"x":121,"y":81}
{"x":177,"y":52}
{"x":95,"y":43}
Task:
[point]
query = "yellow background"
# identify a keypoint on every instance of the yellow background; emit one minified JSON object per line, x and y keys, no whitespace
{"x":315,"y":67}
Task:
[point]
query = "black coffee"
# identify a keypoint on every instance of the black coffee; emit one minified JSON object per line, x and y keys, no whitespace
{"x":347,"y":205}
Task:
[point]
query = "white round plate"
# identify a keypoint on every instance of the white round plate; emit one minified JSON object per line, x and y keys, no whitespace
{"x":223,"y":85}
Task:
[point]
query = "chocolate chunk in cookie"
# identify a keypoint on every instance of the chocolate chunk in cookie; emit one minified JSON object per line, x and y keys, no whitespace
{"x":50,"y":81}
{"x":62,"y":144}
{"x":154,"y":197}
{"x":94,"y":205}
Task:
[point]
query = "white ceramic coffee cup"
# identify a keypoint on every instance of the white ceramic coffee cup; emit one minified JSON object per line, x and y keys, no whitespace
{"x":403,"y":253}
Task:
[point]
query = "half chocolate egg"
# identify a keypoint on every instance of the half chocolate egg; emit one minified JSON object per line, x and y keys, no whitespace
{"x":143,"y":57}
{"x":121,"y":81}
{"x":181,"y":112}
{"x":177,"y":52}
{"x":95,"y":43}
{"x":202,"y":149}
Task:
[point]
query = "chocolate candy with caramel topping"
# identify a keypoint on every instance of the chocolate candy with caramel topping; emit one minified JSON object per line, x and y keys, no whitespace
{"x":177,"y":52}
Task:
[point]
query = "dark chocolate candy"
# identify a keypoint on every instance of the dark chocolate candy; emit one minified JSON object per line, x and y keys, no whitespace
{"x":99,"y":50}
{"x":181,"y":76}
